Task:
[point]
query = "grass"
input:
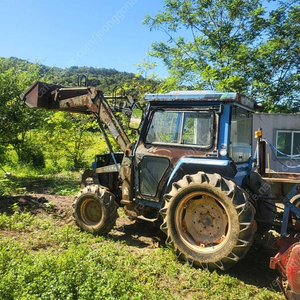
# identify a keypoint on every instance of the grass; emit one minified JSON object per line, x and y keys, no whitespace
{"x":51,"y":262}
{"x":42,"y":258}
{"x":65,"y":183}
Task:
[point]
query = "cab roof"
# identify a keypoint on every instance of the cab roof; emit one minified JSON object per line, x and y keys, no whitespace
{"x":202,"y":96}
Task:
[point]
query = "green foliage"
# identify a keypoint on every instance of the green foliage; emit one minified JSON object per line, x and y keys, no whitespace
{"x":106,"y":79}
{"x":277,"y":59}
{"x":69,"y":136}
{"x":27,"y":180}
{"x":233,"y":45}
{"x":15,"y":118}
{"x":30,"y":154}
{"x":51,"y":141}
{"x":220,"y":34}
{"x":22,"y":222}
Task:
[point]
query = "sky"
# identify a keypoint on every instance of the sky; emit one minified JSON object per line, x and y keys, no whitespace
{"x":92,"y":33}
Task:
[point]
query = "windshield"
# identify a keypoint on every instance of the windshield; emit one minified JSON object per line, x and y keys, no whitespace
{"x":178,"y":127}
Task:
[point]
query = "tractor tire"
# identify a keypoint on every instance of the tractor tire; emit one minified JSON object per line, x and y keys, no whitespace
{"x":296,"y":201}
{"x":208,"y":220}
{"x":95,"y":210}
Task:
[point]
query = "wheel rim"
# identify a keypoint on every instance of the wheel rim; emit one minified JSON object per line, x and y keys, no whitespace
{"x":91,"y":212}
{"x":202,"y":222}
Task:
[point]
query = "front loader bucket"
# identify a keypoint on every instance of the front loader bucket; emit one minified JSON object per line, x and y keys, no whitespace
{"x":51,"y":96}
{"x":38,"y":95}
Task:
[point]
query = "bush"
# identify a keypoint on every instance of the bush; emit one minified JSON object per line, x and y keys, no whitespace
{"x":32,"y":155}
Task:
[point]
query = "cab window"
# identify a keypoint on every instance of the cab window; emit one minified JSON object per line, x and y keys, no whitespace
{"x":185,"y":128}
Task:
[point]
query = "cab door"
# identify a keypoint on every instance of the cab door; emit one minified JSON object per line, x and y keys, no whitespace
{"x":170,"y":135}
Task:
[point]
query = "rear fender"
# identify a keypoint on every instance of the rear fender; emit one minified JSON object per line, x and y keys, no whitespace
{"x":189,"y":165}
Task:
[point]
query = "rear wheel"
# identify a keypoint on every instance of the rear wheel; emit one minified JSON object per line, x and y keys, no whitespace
{"x":296,"y":200}
{"x":208,"y":220}
{"x":95,"y":209}
{"x":295,"y":219}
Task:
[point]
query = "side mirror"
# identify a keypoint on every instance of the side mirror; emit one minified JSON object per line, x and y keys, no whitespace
{"x":136,"y":118}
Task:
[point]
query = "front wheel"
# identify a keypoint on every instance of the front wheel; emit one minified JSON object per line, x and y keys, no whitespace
{"x":95,"y":209}
{"x":208,"y":220}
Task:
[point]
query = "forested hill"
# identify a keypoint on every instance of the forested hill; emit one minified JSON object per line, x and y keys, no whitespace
{"x":106,"y":79}
{"x":53,"y":140}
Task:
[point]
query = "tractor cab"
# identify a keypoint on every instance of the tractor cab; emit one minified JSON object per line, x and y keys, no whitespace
{"x":184,"y":132}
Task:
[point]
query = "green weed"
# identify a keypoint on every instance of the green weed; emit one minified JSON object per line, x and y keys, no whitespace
{"x":65,"y":184}
{"x":65,"y":263}
{"x":41,"y":259}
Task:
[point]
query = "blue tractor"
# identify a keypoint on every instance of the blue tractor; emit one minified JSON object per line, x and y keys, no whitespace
{"x":190,"y":169}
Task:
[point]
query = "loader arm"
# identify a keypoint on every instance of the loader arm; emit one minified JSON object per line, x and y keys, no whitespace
{"x":88,"y":100}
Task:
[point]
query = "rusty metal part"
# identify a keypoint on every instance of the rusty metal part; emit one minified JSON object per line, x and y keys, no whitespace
{"x":89,"y":100}
{"x":37,"y":95}
{"x":287,"y":262}
{"x":205,"y":222}
{"x":108,"y":118}
{"x":133,"y":210}
{"x":85,"y":177}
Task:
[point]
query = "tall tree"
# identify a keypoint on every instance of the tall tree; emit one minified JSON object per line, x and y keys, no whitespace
{"x":277,"y":59}
{"x":235,"y":45}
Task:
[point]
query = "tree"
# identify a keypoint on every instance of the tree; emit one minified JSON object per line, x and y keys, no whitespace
{"x":65,"y":135}
{"x":277,"y":60}
{"x":16,"y":119}
{"x":232,"y":45}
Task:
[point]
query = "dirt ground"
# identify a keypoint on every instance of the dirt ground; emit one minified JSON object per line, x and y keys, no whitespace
{"x":61,"y":208}
{"x":253,"y":269}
